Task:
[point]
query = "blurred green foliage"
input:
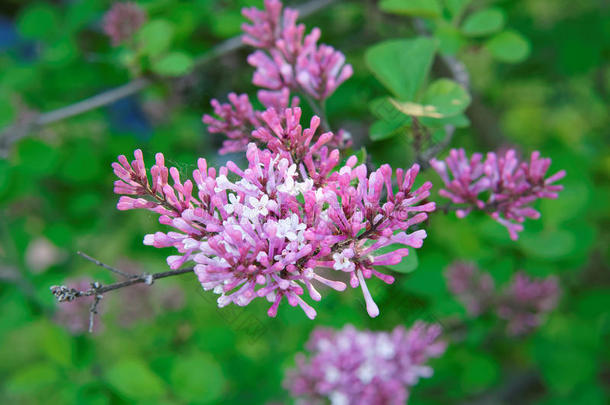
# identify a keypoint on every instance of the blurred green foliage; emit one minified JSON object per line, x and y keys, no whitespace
{"x":540,"y":80}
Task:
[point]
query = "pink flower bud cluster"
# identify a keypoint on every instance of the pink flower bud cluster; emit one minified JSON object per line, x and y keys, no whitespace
{"x":287,"y":58}
{"x":363,"y":367}
{"x":472,"y":287}
{"x":267,"y":230}
{"x":523,"y":303}
{"x":511,"y":185}
{"x":122,"y":21}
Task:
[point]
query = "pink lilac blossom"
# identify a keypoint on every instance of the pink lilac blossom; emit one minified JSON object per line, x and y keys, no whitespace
{"x":266,"y":230}
{"x":511,"y":186}
{"x":286,"y":61}
{"x":523,"y":303}
{"x":472,"y":287}
{"x":287,"y":58}
{"x":362,"y":367}
{"x":122,"y":21}
{"x":73,"y":314}
{"x":526,"y":301}
{"x":237,"y":119}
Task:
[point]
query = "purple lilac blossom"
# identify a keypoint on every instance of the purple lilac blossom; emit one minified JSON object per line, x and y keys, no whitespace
{"x":287,"y":58}
{"x":525,"y":302}
{"x":511,"y":185}
{"x":266,"y":231}
{"x":122,"y":21}
{"x":362,"y":367}
{"x":285,"y":62}
{"x":238,"y":118}
{"x":471,"y":286}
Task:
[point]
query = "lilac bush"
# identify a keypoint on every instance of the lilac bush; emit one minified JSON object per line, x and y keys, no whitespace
{"x":509,"y":185}
{"x":350,"y":366}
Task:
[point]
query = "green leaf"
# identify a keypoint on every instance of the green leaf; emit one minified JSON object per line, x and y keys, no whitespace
{"x":38,"y":21}
{"x":428,"y":280}
{"x":459,"y":121}
{"x":155,"y":37}
{"x":402,"y":65}
{"x":450,"y":38}
{"x":447,"y":96}
{"x":456,"y":7}
{"x":33,"y":378}
{"x":384,"y":109}
{"x":419,"y":8}
{"x":173,"y":64}
{"x":484,"y":22}
{"x":407,"y":264}
{"x":509,"y":46}
{"x":197,"y":378}
{"x":381,"y":130}
{"x":553,"y":244}
{"x":134,"y":380}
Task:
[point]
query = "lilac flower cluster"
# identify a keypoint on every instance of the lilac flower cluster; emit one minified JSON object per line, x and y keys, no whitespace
{"x":526,"y":301}
{"x":511,"y":185}
{"x":267,"y":230}
{"x":473,"y":288}
{"x":122,"y":21}
{"x":523,"y":303}
{"x":354,"y":367}
{"x":286,"y":58}
{"x":286,"y":62}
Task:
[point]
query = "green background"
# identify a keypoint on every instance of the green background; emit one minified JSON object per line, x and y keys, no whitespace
{"x":540,"y":81}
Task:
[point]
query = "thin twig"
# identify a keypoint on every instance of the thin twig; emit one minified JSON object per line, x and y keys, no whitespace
{"x":144,"y":278}
{"x":16,"y":131}
{"x":93,"y":311}
{"x":66,"y":294}
{"x":103,"y":265}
